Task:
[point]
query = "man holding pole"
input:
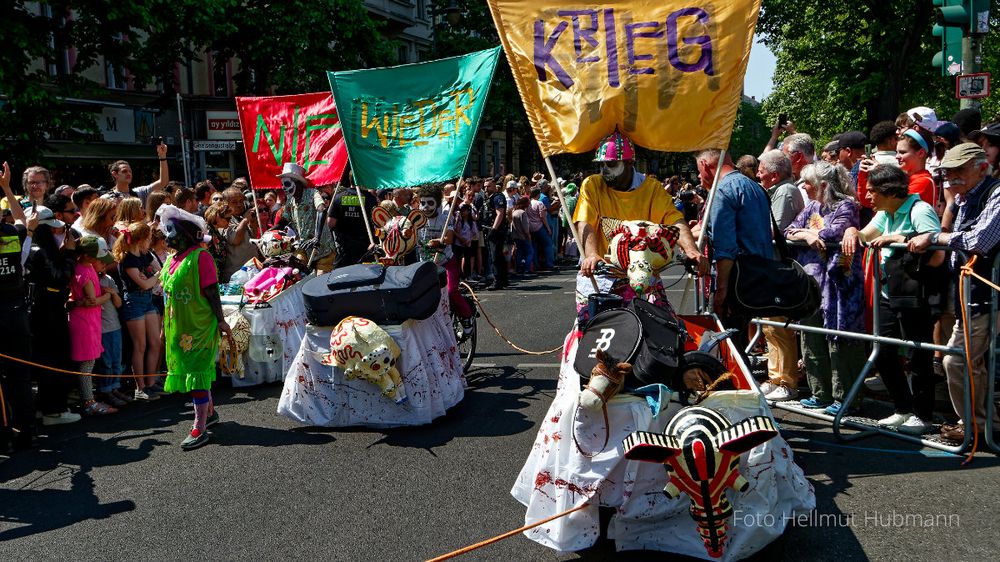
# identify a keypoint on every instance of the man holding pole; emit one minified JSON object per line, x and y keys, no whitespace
{"x":619,"y":193}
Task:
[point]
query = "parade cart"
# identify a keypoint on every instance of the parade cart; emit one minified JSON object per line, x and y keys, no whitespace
{"x":321,"y":394}
{"x":276,"y":330}
{"x":727,"y":511}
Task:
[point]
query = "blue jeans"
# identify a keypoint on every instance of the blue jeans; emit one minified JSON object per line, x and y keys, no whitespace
{"x":110,"y":362}
{"x":525,"y":256}
{"x":136,"y":304}
{"x":543,"y":248}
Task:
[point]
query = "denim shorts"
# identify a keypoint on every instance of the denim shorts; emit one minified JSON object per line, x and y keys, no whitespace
{"x":137,"y":304}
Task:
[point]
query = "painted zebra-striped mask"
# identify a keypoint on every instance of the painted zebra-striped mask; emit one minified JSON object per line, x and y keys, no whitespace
{"x":702,"y":452}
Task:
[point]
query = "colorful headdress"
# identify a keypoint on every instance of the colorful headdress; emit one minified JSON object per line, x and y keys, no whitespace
{"x":613,"y":147}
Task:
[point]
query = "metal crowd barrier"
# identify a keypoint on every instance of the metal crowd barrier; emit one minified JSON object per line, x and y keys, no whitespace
{"x":843,"y":419}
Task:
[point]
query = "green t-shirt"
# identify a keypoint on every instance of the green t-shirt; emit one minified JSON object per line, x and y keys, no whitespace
{"x":913,"y":216}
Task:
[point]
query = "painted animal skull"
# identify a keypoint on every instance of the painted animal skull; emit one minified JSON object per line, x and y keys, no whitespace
{"x":642,"y":250}
{"x":702,"y":452}
{"x":365,"y":351}
{"x":397,"y":233}
{"x":276,"y":243}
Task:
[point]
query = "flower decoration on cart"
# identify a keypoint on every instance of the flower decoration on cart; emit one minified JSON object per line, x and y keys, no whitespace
{"x":365,"y":351}
{"x":702,"y":452}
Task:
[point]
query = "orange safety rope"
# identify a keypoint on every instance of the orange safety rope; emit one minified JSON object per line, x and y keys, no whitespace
{"x":499,"y":538}
{"x":65,"y":372}
{"x":499,"y":333}
{"x":966,"y":271}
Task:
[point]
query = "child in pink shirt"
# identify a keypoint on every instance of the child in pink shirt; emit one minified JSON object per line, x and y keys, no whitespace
{"x":85,"y":317}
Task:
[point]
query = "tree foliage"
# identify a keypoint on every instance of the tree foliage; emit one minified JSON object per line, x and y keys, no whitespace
{"x":843,"y":67}
{"x":286,"y":47}
{"x":282,"y":47}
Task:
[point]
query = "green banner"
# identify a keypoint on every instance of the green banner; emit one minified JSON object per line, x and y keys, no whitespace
{"x":412,"y":124}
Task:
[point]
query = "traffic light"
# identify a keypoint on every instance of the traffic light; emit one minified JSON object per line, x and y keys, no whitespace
{"x":954,"y":18}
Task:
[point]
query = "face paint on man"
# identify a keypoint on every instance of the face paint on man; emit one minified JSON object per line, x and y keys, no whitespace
{"x":429,"y":206}
{"x":612,"y":172}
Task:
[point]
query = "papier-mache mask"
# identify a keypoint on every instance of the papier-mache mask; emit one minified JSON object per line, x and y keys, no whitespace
{"x":701,"y":450}
{"x":397,"y":233}
{"x":642,"y":250}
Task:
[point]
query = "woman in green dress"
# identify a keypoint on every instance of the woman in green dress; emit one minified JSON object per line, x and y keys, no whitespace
{"x":193,"y":317}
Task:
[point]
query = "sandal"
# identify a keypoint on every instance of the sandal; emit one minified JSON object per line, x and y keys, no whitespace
{"x":95,"y":408}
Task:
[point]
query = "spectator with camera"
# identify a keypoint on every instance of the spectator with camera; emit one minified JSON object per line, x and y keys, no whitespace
{"x":121,"y":173}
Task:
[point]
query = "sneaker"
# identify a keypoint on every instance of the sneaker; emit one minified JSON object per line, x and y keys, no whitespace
{"x":142,"y":396}
{"x":212,"y":420}
{"x":814,"y":403}
{"x":767,"y":387}
{"x":194,"y":440}
{"x":61,"y":418}
{"x":782,"y":394}
{"x":121,"y":396}
{"x":875,"y":384}
{"x":914,"y":426}
{"x":834,"y":409}
{"x":95,"y":408}
{"x":895,"y":420}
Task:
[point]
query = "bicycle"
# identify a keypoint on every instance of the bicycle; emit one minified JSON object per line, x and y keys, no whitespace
{"x":466,"y":337}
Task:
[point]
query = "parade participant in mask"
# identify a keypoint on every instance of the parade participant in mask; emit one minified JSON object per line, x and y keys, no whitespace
{"x":194,"y":318}
{"x":303,"y":204}
{"x":620,"y":193}
{"x":434,"y":244}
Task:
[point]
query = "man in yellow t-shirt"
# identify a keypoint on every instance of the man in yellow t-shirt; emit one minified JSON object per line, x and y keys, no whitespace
{"x":620,"y":193}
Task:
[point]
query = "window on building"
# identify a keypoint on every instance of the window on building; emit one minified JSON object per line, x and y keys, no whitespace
{"x":114,"y":74}
{"x":403,"y":54}
{"x":220,"y":75}
{"x":58,"y":65}
{"x":421,"y":9}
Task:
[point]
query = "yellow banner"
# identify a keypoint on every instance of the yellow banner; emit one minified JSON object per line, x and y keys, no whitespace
{"x":667,"y":73}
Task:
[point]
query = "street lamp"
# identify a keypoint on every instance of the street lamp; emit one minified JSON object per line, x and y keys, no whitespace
{"x":452,"y":14}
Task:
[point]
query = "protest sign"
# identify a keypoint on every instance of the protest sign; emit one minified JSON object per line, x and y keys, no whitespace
{"x":668,"y":74}
{"x":413,"y":124}
{"x":303,"y":129}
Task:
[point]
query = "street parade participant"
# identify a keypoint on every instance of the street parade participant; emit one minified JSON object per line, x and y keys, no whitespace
{"x":193,"y":320}
{"x":434,"y":244}
{"x":304,"y":204}
{"x":620,"y":193}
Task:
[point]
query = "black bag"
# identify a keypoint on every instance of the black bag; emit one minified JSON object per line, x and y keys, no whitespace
{"x":384,"y":295}
{"x":648,"y":337}
{"x":912,"y":283}
{"x":762,"y":288}
{"x":662,"y":346}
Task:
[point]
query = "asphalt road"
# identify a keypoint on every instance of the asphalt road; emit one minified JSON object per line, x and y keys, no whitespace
{"x":120,"y":487}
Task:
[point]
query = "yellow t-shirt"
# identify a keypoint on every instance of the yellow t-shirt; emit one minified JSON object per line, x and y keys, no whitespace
{"x":605,"y":208}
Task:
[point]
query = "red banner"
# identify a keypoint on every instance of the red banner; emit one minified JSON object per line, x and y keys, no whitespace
{"x":304,"y":129}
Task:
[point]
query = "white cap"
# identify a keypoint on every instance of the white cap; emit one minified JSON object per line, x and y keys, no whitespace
{"x":924,"y":117}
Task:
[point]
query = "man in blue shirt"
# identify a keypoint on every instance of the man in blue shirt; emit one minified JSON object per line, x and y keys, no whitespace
{"x":739,"y":220}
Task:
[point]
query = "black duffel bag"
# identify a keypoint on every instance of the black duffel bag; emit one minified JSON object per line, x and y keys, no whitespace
{"x":384,"y":295}
{"x":761,"y":287}
{"x":644,"y":335}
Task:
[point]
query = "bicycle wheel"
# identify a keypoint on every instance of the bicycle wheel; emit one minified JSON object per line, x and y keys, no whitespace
{"x":466,"y":339}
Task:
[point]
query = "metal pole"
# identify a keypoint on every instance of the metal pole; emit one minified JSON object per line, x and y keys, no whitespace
{"x":184,"y":152}
{"x":972,"y":59}
{"x":569,"y":219}
{"x":364,"y":214}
